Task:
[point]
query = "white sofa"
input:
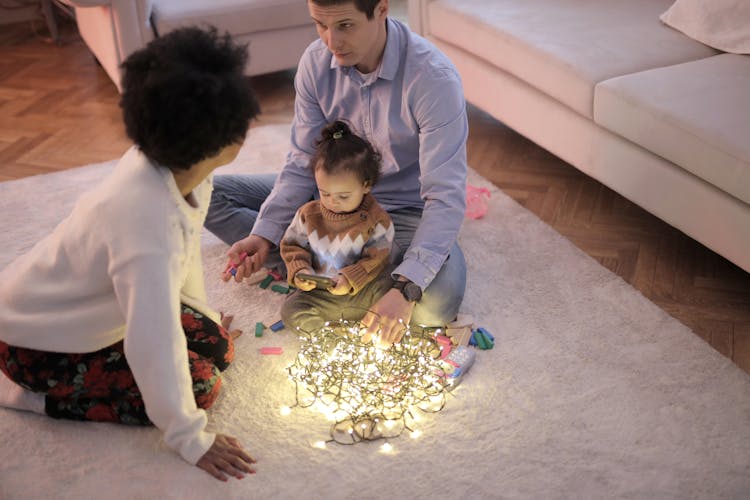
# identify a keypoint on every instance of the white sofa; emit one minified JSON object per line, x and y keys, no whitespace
{"x":277,"y":31}
{"x":603,"y":84}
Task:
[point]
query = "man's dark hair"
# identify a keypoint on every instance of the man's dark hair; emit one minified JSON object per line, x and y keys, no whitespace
{"x":366,"y":6}
{"x":340,"y":150}
{"x":185,"y":96}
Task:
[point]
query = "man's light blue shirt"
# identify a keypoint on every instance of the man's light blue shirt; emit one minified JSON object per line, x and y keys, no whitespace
{"x":412,"y":109}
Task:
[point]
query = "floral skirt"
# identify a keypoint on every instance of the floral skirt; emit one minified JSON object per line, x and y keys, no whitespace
{"x":100,"y":385}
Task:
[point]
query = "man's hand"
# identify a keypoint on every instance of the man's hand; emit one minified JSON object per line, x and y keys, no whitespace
{"x":226,"y":456}
{"x":391,"y":314}
{"x":246,"y":257}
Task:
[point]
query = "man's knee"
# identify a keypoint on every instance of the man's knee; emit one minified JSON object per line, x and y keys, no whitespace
{"x":442,"y":298}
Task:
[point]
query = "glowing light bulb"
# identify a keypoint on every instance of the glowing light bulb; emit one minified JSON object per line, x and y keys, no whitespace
{"x":415,"y":434}
{"x":386,"y":448}
{"x":285,"y":410}
{"x":321,"y":445}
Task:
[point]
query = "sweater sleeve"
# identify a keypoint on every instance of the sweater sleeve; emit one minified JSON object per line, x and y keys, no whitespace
{"x":193,"y":292}
{"x":147,"y":289}
{"x":295,"y":247}
{"x":375,"y":252}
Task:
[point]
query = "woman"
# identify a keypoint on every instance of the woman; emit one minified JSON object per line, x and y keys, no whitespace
{"x":106,"y":318}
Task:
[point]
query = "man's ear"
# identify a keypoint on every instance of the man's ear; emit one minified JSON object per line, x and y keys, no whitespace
{"x":382,"y":9}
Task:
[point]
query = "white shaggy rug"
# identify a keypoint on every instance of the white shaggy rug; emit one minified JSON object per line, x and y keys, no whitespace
{"x":591,"y":391}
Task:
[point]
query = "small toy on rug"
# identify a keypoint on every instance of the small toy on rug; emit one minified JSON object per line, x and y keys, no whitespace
{"x":481,"y":338}
{"x":455,"y":359}
{"x":279,"y":325}
{"x":280,"y":289}
{"x":259,"y":329}
{"x":476,"y":201}
{"x":257,"y":277}
{"x":266,"y":281}
{"x":460,"y":329}
{"x":271,"y":350}
{"x":276,"y":275}
{"x":232,"y":268}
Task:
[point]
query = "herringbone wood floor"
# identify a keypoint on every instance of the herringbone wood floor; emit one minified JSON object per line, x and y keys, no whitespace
{"x":59,"y":110}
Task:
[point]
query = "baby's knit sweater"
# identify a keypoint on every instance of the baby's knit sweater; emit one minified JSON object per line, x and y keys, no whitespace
{"x":355,"y":244}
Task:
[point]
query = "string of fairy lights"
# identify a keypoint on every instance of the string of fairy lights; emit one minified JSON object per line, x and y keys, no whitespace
{"x":369,"y":392}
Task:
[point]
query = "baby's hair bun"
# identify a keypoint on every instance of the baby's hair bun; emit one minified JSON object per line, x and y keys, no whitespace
{"x":336,"y":130}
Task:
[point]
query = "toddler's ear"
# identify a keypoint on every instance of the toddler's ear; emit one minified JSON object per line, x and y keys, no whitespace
{"x":367,"y":185}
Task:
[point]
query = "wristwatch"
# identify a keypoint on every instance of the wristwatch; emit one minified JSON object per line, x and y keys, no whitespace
{"x":409,"y":290}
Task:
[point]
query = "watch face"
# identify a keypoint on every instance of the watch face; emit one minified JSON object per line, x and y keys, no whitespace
{"x":409,"y":290}
{"x":412,"y":292}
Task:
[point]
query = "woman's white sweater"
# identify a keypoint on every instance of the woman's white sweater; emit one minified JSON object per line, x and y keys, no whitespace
{"x":117,"y":268}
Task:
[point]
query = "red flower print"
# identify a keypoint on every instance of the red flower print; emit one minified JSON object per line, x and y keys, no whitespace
{"x":190,"y":322}
{"x":123,"y":379}
{"x":229,"y":354}
{"x":207,"y":400}
{"x":101,"y":413}
{"x":202,"y":370}
{"x":25,"y":357}
{"x":61,"y":391}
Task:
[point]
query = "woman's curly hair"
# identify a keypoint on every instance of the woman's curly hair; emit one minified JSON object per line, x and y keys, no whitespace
{"x":185,"y":96}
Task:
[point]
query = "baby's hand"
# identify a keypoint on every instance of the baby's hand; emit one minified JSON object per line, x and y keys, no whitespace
{"x":301,"y":284}
{"x":340,"y":285}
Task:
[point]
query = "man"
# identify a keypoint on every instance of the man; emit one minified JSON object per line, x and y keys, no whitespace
{"x":402,"y":94}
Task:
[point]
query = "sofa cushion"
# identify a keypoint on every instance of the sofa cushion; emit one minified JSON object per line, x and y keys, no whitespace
{"x":564,"y":48}
{"x":235,"y":16}
{"x":722,"y":24}
{"x":696,"y":115}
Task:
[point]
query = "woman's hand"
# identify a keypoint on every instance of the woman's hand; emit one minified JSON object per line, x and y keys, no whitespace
{"x":226,"y":456}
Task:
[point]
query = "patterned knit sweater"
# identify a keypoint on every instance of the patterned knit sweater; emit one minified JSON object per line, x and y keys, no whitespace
{"x":355,"y":244}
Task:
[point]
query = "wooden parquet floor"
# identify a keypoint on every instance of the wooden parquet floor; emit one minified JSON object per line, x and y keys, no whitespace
{"x":59,"y":110}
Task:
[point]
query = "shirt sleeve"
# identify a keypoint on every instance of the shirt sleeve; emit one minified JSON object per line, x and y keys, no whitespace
{"x":295,"y":185}
{"x":147,"y":289}
{"x":440,"y":110}
{"x":193,"y":292}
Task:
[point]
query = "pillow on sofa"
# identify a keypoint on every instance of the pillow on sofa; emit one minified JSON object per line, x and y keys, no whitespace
{"x":721,"y":24}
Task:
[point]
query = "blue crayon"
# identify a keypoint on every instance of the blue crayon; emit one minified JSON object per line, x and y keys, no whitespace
{"x":277,"y":326}
{"x":486,"y":333}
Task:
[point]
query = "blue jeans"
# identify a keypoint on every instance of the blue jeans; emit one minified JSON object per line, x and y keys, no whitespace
{"x":235,"y":203}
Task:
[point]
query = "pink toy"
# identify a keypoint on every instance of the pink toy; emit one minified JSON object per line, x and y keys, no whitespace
{"x":232,"y":268}
{"x":271,"y":350}
{"x":476,"y":201}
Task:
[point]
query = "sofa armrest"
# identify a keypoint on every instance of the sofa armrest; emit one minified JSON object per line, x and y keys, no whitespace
{"x":417,"y":13}
{"x":113,"y":29}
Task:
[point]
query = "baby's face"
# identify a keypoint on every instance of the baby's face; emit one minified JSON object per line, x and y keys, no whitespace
{"x":341,"y":192}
